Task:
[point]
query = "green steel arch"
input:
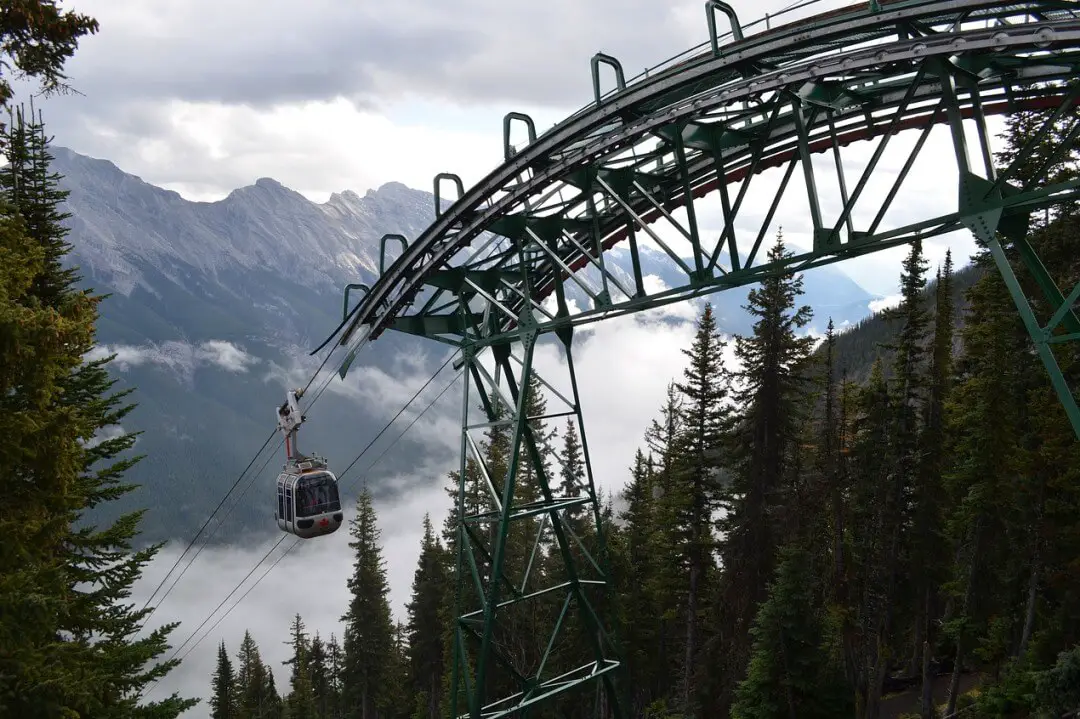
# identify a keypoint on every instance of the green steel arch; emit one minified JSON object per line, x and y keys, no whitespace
{"x":489,"y":276}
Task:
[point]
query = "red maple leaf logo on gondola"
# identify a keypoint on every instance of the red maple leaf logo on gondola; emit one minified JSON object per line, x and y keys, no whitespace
{"x":324,"y":522}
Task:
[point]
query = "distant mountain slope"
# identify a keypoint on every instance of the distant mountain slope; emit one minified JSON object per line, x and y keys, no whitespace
{"x":214,"y":306}
{"x":858,"y":346}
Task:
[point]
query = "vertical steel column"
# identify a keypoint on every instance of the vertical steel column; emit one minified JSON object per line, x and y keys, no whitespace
{"x":518,"y":548}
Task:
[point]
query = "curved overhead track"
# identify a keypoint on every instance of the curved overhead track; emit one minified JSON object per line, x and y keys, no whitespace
{"x":491,"y":271}
{"x":806,"y":88}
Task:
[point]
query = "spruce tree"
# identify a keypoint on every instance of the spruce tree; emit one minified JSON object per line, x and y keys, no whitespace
{"x":223,"y":700}
{"x":928,"y":564}
{"x":706,"y":420}
{"x":791,"y":673}
{"x":319,"y":673}
{"x":910,"y":382}
{"x":37,"y":39}
{"x":369,"y":628}
{"x":426,"y":627}
{"x":572,"y":473}
{"x":256,"y":693}
{"x":66,"y":629}
{"x":668,"y":585}
{"x":639,"y":609}
{"x":301,"y":698}
{"x":772,"y":397}
{"x":334,"y":663}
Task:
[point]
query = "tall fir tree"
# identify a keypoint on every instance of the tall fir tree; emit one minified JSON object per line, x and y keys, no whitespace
{"x":257,"y":695}
{"x":369,"y":629}
{"x":791,"y":672}
{"x":319,"y":673}
{"x":68,"y":634}
{"x":772,"y":394}
{"x":905,"y":599}
{"x":706,"y":422}
{"x":638,"y":566}
{"x":223,"y":699}
{"x":301,"y":698}
{"x":426,"y":628}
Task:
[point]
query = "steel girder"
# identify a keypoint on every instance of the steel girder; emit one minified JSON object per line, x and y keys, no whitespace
{"x":490,"y":274}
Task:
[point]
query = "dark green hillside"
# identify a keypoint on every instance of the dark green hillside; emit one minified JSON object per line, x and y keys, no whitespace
{"x":857,"y":347}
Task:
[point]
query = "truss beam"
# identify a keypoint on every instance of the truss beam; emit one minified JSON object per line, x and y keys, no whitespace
{"x":532,"y":249}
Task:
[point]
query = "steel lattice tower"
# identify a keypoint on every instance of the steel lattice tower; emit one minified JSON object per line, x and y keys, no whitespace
{"x":489,"y":276}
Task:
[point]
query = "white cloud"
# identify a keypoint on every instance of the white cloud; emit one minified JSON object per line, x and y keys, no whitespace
{"x":225,"y":355}
{"x":181,"y":358}
{"x":885,"y":303}
{"x":623,"y":367}
{"x":106,"y":433}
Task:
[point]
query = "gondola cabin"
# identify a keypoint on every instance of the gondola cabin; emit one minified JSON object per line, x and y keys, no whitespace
{"x":308,"y":504}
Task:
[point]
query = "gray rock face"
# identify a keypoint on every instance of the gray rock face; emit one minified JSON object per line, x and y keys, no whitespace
{"x":215,"y":304}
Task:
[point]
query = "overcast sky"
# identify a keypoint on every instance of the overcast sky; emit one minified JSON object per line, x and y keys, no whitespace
{"x":204,"y":96}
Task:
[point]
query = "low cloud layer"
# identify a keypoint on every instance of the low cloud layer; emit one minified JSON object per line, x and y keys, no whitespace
{"x":623,"y":366}
{"x":180,"y":357}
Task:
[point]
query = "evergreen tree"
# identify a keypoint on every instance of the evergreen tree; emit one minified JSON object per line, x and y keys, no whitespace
{"x":334,"y":659}
{"x":633,"y":582}
{"x":667,"y":586}
{"x":425,"y":627}
{"x":369,"y":628}
{"x":791,"y":671}
{"x":256,"y":694}
{"x":906,"y":599}
{"x":67,"y":633}
{"x":572,"y":473}
{"x":760,"y":515}
{"x":319,"y":673}
{"x":927,"y":564}
{"x":706,"y":420}
{"x":37,"y":39}
{"x":301,"y":698}
{"x":223,"y":701}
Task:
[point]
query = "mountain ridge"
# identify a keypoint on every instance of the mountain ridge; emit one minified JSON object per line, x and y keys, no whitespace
{"x":215,"y":305}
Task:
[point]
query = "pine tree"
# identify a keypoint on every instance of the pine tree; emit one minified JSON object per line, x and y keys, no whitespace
{"x":667,"y":585}
{"x":223,"y":701}
{"x":38,"y":38}
{"x":706,"y":420}
{"x":335,"y":659}
{"x":911,"y":384}
{"x":572,"y":473}
{"x":867,"y":536}
{"x":369,"y":628}
{"x":319,"y":676}
{"x":425,"y":627}
{"x":791,"y":673}
{"x":761,"y":515}
{"x":67,"y":632}
{"x":928,"y":565}
{"x":638,"y":566}
{"x":256,"y":694}
{"x":301,"y":698}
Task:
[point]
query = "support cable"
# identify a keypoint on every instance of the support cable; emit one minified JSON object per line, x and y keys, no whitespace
{"x":224,"y":499}
{"x":297,"y":541}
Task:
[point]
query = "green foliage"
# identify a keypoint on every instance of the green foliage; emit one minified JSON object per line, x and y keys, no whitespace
{"x":426,"y":626}
{"x":901,"y":512}
{"x":66,"y":630}
{"x":367,"y":679}
{"x":36,"y":39}
{"x":791,"y":673}
{"x":223,"y":704}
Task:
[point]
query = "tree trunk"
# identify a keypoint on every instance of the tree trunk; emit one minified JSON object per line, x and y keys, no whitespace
{"x":1033,"y":582}
{"x":954,"y":681}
